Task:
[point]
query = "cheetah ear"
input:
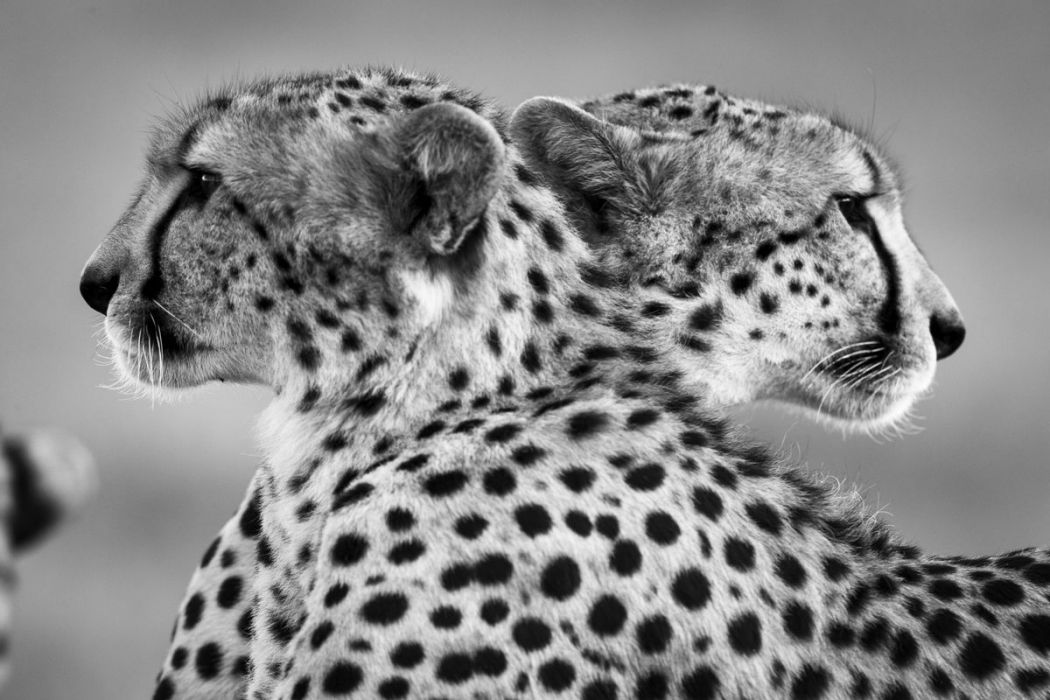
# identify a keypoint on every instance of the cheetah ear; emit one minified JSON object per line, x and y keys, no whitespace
{"x":590,"y":158}
{"x":456,"y":162}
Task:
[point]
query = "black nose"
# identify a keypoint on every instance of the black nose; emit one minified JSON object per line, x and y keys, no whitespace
{"x":97,"y":286}
{"x":948,"y":332}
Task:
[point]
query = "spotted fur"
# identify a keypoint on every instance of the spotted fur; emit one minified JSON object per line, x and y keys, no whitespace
{"x":494,"y":468}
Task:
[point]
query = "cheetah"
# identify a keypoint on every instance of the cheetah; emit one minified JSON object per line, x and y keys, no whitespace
{"x":45,"y":478}
{"x":493,"y":466}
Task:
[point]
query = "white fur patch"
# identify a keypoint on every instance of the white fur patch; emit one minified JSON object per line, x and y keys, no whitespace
{"x":433,"y":294}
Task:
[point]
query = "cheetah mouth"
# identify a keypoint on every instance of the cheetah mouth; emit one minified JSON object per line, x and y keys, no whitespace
{"x":150,"y":353}
{"x":865,"y":385}
{"x":866,"y":364}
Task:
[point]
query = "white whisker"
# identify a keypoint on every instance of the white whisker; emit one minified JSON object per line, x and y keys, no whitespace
{"x":179,"y":320}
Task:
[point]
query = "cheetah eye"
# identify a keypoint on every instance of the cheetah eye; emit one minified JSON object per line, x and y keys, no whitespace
{"x":203,"y":184}
{"x":852,"y":208}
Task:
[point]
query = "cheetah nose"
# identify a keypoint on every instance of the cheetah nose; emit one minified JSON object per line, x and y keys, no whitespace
{"x":948,"y":332}
{"x":98,"y":284}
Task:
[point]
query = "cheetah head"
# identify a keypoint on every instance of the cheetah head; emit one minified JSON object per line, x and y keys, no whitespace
{"x":767,"y":244}
{"x":291,"y":228}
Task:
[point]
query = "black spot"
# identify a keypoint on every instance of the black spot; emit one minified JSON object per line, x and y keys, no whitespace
{"x":706,"y":318}
{"x":367,"y":404}
{"x":407,"y":655}
{"x":493,"y":340}
{"x":653,"y":685}
{"x":583,"y":304}
{"x":599,"y":690}
{"x":765,"y":516}
{"x":553,"y":237}
{"x":494,"y":611}
{"x":533,"y":519}
{"x":642,"y":417}
{"x":655,"y":309}
{"x":798,"y":621}
{"x":191,"y":614}
{"x":521,"y":211}
{"x":1028,"y":679}
{"x":981,"y":657}
{"x":765,"y":249}
{"x":384,"y":608}
{"x":791,"y":571}
{"x":230,"y":592}
{"x":840,"y":634}
{"x":396,"y":687}
{"x":455,"y":669}
{"x":1039,"y":574}
{"x":406,"y":552}
{"x":874,"y":634}
{"x":679,"y":112}
{"x":740,"y":282}
{"x":352,"y":495}
{"x":530,"y":358}
{"x":503,"y":433}
{"x":903,"y":649}
{"x":723,"y":477}
{"x":586,"y":423}
{"x":1002,"y":592}
{"x":707,"y":503}
{"x":945,"y":589}
{"x":560,"y":578}
{"x":414,"y":463}
{"x":626,"y":558}
{"x":607,"y":616}
{"x":527,"y":455}
{"x":373,"y":103}
{"x":654,"y":634}
{"x":430,"y":429}
{"x":321,"y":634}
{"x":662,"y":529}
{"x":209,"y":660}
{"x":691,"y":589}
{"x":1035,"y":631}
{"x":446,"y":617}
{"x":608,"y":526}
{"x":499,"y":481}
{"x":739,"y":554}
{"x":647,"y":477}
{"x":835,"y":569}
{"x":557,"y":675}
{"x":490,"y":662}
{"x":745,"y":634}
{"x":769,"y":303}
{"x":400,"y":519}
{"x":493,"y":569}
{"x":445,"y":483}
{"x":459,"y":378}
{"x":348,"y":550}
{"x":811,"y":683}
{"x":579,"y":523}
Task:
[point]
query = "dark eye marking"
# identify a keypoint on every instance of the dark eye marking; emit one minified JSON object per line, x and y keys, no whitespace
{"x":854,"y":210}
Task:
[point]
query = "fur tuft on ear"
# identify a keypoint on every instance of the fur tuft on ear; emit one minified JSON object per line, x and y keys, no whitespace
{"x":456,"y":159}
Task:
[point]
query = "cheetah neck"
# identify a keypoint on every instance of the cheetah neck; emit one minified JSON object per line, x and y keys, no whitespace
{"x":532,"y":323}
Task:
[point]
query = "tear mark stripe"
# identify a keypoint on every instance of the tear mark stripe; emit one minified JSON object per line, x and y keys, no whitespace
{"x":154,"y":284}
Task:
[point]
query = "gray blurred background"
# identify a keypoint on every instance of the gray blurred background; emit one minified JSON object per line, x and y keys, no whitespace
{"x":963,"y":98}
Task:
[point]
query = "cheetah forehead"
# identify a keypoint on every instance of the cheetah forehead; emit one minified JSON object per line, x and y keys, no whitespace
{"x":347,"y":100}
{"x":706,"y":115}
